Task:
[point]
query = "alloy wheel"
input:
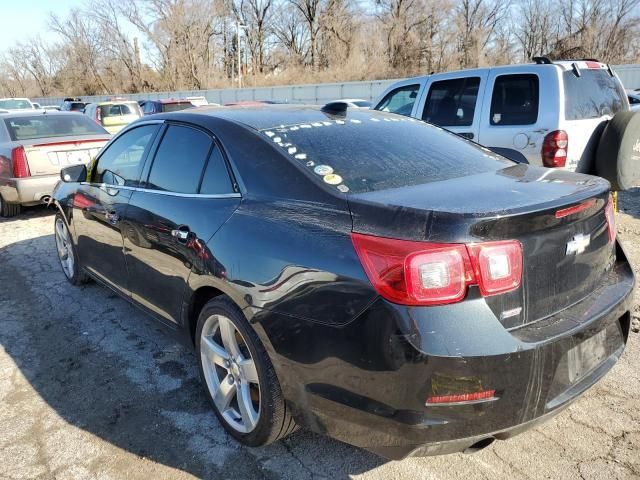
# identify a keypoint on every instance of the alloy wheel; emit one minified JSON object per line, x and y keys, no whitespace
{"x":230,"y":373}
{"x":64,"y":247}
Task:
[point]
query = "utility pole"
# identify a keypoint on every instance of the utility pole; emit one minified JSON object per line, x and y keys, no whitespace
{"x":238,"y":27}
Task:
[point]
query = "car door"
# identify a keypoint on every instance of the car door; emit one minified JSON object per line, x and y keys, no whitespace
{"x":99,"y":204}
{"x":452,"y":101}
{"x":187,"y":196}
{"x":511,"y":121}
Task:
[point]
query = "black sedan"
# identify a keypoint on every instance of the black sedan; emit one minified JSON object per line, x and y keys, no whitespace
{"x":364,"y":275}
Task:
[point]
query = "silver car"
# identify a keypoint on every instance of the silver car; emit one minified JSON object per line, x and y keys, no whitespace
{"x":34,"y":146}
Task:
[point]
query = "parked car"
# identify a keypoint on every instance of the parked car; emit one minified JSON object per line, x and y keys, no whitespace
{"x":199,"y":101}
{"x":72,"y":105}
{"x":114,"y":115}
{"x":356,"y":103}
{"x":149,"y":107}
{"x":34,"y":146}
{"x":634,"y":100}
{"x":546,"y":113}
{"x":365,"y":275}
{"x":16,"y":104}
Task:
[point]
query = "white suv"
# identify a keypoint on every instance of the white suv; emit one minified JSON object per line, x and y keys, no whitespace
{"x":545,"y":113}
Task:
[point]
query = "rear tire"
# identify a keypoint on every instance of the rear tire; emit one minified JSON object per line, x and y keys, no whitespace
{"x":8,"y":209}
{"x":618,"y":153}
{"x":222,"y":363}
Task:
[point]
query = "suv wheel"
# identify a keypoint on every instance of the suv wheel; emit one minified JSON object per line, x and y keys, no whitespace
{"x":239,"y":377}
{"x":8,"y":209}
{"x":67,"y":253}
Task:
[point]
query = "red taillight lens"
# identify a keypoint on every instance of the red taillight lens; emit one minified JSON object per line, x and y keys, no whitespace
{"x":463,"y":397}
{"x":98,"y":115}
{"x":497,"y":266}
{"x":420,"y":273}
{"x":19,"y":162}
{"x":554,"y":149}
{"x":610,"y":213}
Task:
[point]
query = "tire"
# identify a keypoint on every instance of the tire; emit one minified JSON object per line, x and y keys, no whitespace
{"x":618,"y":153}
{"x":273,"y":421}
{"x":67,"y":254}
{"x":8,"y":209}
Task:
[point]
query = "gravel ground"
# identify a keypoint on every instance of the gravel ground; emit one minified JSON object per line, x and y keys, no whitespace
{"x":91,"y":388}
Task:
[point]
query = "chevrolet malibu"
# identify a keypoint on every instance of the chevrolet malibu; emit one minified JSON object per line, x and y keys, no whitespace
{"x":361,"y":274}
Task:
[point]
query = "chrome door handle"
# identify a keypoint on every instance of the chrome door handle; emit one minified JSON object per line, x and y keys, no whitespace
{"x":180,"y":235}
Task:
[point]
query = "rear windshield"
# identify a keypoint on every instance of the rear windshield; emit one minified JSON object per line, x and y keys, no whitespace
{"x":368,"y":153}
{"x":45,"y":126}
{"x":175,"y":107}
{"x":593,"y":94}
{"x":120,"y":109}
{"x":15,"y":104}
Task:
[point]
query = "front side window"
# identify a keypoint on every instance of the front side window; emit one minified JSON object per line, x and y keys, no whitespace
{"x":121,"y":163}
{"x":400,"y":100}
{"x":515,"y":100}
{"x":452,"y":103}
{"x":180,"y":160}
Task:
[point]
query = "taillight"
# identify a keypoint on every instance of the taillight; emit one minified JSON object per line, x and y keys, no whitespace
{"x":98,"y":115}
{"x":609,"y":212}
{"x":19,"y":162}
{"x":554,"y":149}
{"x":420,"y":273}
{"x":462,"y":397}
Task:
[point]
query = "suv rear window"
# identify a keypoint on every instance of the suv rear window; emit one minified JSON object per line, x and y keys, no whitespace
{"x":368,"y":153}
{"x":515,"y":100}
{"x":591,"y":95}
{"x":176,"y":106}
{"x":45,"y":125}
{"x":120,"y":109}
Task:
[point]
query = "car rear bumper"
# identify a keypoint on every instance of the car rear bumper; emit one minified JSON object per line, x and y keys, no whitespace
{"x":28,"y":191}
{"x":367,"y":382}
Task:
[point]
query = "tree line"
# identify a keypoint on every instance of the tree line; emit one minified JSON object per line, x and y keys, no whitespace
{"x":110,"y":46}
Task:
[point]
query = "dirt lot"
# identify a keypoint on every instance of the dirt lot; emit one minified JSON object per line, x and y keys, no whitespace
{"x":91,"y":388}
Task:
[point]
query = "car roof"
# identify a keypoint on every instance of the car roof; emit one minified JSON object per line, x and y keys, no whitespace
{"x":267,"y":116}
{"x":32,"y":112}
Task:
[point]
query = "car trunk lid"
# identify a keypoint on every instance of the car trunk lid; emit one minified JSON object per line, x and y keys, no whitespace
{"x":565,"y":255}
{"x":48,"y":157}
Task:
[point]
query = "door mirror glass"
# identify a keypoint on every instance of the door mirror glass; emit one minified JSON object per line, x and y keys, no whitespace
{"x":74,"y":173}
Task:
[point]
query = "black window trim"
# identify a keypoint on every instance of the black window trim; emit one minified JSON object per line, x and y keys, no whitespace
{"x":517,"y":74}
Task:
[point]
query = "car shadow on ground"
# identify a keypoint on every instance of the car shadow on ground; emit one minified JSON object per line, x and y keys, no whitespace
{"x":629,"y":202}
{"x":108,"y":369}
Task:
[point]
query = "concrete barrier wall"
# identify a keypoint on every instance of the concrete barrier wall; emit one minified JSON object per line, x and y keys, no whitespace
{"x":310,"y":94}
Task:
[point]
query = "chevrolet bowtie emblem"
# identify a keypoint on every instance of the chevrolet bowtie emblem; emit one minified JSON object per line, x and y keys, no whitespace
{"x":578,"y":244}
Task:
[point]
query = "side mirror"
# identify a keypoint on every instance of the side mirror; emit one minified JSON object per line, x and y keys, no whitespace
{"x":74,"y":173}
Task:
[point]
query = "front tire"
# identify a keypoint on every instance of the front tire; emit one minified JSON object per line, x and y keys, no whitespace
{"x":238,"y":376}
{"x":67,"y":253}
{"x":8,"y":209}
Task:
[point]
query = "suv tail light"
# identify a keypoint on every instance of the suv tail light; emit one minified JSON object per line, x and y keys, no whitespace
{"x":98,"y":114}
{"x":420,"y":273}
{"x":609,"y":212}
{"x":19,"y":162}
{"x":554,"y":149}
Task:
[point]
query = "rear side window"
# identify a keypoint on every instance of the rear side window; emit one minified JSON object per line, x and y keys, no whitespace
{"x":121,"y":163}
{"x":593,"y":94}
{"x":216,"y":177}
{"x":180,"y":159}
{"x":515,"y":100}
{"x":45,"y":126}
{"x":400,"y":100}
{"x":368,"y":152}
{"x":452,"y":103}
